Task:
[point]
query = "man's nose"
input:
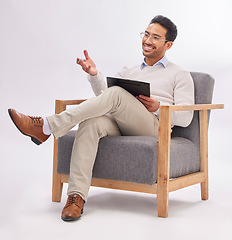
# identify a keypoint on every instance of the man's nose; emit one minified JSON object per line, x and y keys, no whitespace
{"x":148,"y":40}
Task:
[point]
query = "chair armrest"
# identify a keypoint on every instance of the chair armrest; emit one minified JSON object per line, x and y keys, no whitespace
{"x":195,"y":107}
{"x":72,"y":102}
{"x":60,"y":105}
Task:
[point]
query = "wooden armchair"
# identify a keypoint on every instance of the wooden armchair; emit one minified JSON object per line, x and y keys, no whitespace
{"x":162,"y":152}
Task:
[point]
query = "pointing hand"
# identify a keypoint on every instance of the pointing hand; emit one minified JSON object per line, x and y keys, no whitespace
{"x":87,"y":64}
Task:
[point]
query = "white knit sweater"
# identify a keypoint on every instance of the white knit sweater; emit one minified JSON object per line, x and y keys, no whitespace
{"x":171,"y":86}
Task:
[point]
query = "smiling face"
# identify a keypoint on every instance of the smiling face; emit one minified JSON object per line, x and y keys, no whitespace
{"x":154,"y":44}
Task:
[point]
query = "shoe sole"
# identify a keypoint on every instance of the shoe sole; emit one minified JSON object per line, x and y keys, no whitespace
{"x":72,"y":219}
{"x":34,"y":140}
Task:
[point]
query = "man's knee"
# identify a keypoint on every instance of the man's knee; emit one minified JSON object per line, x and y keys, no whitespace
{"x":92,"y":122}
{"x":98,"y":122}
{"x":117,"y":91}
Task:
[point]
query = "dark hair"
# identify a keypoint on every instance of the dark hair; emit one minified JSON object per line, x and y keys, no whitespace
{"x":168,"y":24}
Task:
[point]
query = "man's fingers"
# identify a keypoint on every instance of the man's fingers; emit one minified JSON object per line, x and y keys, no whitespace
{"x":148,"y":99}
{"x":87,"y":64}
{"x":86,"y":67}
{"x":78,"y":61}
{"x":144,"y":99}
{"x":151,"y":103}
{"x":147,"y":104}
{"x":86,"y":54}
{"x":82,"y":63}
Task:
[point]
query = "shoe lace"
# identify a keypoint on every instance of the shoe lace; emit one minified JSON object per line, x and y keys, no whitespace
{"x":73,"y":199}
{"x":36,"y":120}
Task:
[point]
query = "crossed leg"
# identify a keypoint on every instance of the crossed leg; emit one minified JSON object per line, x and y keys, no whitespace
{"x":129,"y":117}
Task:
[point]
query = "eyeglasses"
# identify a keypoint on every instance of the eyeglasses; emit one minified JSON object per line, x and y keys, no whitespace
{"x":154,"y":39}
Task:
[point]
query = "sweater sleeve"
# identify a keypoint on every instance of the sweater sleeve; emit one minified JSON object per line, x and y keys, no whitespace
{"x":183,"y":95}
{"x":98,"y":83}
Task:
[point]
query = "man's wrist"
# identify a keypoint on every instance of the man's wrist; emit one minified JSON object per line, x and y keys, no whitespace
{"x":94,"y":73}
{"x":93,"y":78}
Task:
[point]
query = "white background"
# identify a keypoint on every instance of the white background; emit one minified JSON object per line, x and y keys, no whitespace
{"x":40,"y":41}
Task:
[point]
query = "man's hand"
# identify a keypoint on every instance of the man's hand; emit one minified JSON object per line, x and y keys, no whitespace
{"x":150,"y":103}
{"x":87,"y":64}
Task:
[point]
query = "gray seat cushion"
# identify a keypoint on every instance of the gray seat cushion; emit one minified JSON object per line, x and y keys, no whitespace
{"x":132,"y":158}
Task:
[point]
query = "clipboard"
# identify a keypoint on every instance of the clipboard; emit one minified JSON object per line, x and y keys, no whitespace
{"x":136,"y":88}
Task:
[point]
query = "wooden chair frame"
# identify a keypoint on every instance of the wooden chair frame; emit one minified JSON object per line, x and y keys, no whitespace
{"x":164,"y":185}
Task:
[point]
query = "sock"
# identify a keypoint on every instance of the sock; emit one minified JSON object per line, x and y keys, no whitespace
{"x":46,"y":128}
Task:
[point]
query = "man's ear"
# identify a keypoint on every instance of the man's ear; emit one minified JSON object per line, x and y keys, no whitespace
{"x":169,"y":44}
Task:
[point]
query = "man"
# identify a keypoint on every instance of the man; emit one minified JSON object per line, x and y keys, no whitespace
{"x":170,"y":85}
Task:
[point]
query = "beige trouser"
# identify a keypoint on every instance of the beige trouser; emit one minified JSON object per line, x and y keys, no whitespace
{"x":128,"y":117}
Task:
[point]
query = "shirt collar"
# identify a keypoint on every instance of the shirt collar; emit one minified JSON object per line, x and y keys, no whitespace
{"x":163,"y":61}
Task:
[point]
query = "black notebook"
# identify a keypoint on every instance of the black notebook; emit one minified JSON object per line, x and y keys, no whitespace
{"x":136,"y":88}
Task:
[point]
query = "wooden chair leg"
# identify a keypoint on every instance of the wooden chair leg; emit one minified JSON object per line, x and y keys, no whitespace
{"x":57,"y":188}
{"x":163,"y":162}
{"x":204,"y":152}
{"x":57,"y":185}
{"x":204,"y":191}
{"x":162,"y":202}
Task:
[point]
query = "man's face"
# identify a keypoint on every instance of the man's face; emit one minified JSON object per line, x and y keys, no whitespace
{"x":154,"y":46}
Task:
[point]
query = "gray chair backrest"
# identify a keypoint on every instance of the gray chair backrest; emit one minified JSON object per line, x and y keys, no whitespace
{"x":203,"y":86}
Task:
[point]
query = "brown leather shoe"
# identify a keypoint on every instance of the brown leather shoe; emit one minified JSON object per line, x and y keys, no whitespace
{"x":73,"y":208}
{"x":29,"y":126}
